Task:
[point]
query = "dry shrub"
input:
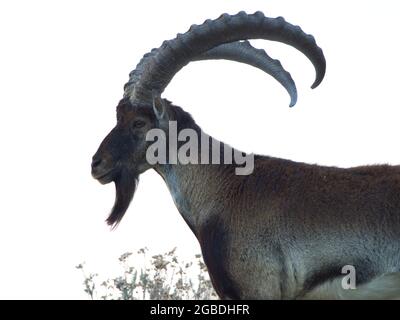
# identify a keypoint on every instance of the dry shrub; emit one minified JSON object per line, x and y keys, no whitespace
{"x":164,"y":278}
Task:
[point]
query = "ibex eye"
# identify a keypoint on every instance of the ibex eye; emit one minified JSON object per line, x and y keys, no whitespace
{"x":139,"y":124}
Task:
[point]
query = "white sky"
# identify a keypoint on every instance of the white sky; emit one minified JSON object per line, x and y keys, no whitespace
{"x":63,"y":65}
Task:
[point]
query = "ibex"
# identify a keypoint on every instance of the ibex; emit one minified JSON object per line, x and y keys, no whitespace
{"x":286,"y":230}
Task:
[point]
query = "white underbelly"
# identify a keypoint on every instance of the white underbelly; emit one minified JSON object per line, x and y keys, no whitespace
{"x":386,"y":286}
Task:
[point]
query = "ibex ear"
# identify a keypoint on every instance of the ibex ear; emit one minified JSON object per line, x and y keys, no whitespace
{"x":159,"y":107}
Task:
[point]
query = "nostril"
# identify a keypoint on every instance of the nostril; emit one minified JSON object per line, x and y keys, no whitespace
{"x":96,"y":162}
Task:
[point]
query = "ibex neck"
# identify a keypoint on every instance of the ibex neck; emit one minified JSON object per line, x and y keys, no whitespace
{"x":194,"y":189}
{"x":199,"y":174}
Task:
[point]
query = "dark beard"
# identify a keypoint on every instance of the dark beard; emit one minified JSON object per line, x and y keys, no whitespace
{"x":125,"y":187}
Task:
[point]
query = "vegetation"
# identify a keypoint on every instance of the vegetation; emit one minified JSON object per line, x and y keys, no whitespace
{"x":164,"y":278}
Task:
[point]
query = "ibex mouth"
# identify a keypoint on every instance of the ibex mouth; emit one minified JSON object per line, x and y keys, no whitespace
{"x":106,"y":177}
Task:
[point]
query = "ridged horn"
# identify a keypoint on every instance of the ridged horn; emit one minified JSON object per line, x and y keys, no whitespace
{"x":163,"y":63}
{"x":238,"y":51}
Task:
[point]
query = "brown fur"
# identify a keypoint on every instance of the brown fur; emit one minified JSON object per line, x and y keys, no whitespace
{"x":286,"y":230}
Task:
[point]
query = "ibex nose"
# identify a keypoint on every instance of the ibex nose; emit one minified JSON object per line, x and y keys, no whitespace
{"x":96,"y":161}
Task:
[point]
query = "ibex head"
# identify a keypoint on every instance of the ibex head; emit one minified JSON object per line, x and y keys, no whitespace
{"x":121,"y":156}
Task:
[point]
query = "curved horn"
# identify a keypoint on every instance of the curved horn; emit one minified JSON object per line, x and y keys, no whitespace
{"x":239,"y":51}
{"x":243,"y":51}
{"x":174,"y":54}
